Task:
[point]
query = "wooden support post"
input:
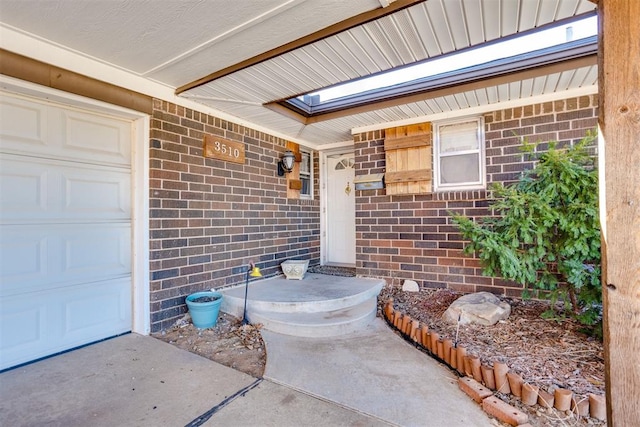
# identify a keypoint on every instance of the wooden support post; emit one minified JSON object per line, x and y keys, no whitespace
{"x":619,"y":99}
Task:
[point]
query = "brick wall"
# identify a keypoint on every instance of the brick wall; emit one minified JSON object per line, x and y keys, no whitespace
{"x":412,"y":237}
{"x":209,"y":218}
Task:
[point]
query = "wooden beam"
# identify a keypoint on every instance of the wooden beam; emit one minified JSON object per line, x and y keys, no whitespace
{"x":31,"y":70}
{"x":332,"y":30}
{"x":619,"y":82}
{"x":287,"y":112}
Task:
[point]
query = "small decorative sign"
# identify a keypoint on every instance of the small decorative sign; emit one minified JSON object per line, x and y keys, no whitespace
{"x":295,"y":184}
{"x":223,"y":149}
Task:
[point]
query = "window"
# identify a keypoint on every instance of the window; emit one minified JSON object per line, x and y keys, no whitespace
{"x":459,"y":154}
{"x":306,"y":175}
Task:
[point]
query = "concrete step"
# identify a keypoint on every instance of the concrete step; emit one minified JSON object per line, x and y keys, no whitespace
{"x":318,"y":324}
{"x":315,"y":294}
{"x":317,"y":306}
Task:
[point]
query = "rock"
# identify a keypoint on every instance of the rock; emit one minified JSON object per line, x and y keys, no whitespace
{"x":410,"y":286}
{"x":482,"y":308}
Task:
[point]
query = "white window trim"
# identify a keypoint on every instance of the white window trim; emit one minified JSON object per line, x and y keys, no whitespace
{"x":308,"y":196}
{"x":481,"y":184}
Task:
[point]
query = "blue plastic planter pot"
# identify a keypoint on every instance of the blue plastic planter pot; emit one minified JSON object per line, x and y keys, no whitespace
{"x":204,"y":314}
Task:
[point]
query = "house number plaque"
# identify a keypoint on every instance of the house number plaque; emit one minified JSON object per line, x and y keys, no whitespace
{"x":223,"y":149}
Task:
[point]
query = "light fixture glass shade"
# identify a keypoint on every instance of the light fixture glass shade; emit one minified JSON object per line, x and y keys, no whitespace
{"x":287,"y":160}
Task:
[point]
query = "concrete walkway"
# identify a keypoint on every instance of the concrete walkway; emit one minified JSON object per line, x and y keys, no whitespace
{"x":372,"y":378}
{"x":374,"y":372}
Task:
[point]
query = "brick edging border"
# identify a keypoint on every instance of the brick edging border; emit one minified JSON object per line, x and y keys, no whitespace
{"x":480,"y":381}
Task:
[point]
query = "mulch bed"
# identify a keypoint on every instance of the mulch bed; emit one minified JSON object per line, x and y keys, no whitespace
{"x":229,"y":343}
{"x":548,"y":353}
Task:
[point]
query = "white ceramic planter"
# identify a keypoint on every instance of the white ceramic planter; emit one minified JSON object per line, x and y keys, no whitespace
{"x":295,"y":269}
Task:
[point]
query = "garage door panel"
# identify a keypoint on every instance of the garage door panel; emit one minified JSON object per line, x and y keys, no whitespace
{"x":96,"y":193}
{"x":31,"y":316}
{"x":96,"y":252}
{"x":45,"y":257}
{"x":33,"y":327}
{"x":49,"y":131}
{"x":51,"y":190}
{"x":22,"y":124}
{"x":92,"y":307}
{"x":23,"y":258}
{"x":23,"y":323}
{"x":23,"y":188}
{"x":65,"y":228}
{"x":89,"y":136}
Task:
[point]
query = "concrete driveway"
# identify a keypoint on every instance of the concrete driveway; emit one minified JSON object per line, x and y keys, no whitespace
{"x":372,"y":378}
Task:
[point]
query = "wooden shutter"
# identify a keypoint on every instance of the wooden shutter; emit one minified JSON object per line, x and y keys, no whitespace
{"x":409,"y":159}
{"x":293,"y":178}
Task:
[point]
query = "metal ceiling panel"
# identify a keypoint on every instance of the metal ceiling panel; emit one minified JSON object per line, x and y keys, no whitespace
{"x":324,"y":53}
{"x":456,"y":20}
{"x":316,"y":68}
{"x":392,"y":53}
{"x":481,"y":96}
{"x":349,"y":48}
{"x":188,"y":39}
{"x":441,"y":26}
{"x":525,"y":88}
{"x":537,"y":86}
{"x":377,"y":59}
{"x":474,"y":22}
{"x":384,"y":44}
{"x":551,"y":83}
{"x":529,"y":14}
{"x":492,"y":95}
{"x":348,"y":64}
{"x":409,"y":35}
{"x":490,"y":17}
{"x":509,"y":18}
{"x":424,"y":30}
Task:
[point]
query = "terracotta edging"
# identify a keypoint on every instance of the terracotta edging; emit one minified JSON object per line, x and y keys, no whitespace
{"x":496,"y":377}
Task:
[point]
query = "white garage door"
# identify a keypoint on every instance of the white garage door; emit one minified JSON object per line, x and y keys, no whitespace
{"x":65,"y":228}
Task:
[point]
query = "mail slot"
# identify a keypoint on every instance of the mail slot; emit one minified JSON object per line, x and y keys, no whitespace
{"x":369,"y":182}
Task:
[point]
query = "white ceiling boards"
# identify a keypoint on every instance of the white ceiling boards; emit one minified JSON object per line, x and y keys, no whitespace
{"x":175,"y":43}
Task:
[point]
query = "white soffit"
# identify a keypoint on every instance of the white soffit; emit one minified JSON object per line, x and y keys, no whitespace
{"x":185,"y":40}
{"x":420,"y":32}
{"x":423,"y":31}
{"x":175,"y":41}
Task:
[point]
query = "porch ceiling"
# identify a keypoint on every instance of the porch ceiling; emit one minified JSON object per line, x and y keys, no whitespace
{"x":237,"y":55}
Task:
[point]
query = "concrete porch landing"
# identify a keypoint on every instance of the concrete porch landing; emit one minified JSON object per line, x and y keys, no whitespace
{"x":317,"y":306}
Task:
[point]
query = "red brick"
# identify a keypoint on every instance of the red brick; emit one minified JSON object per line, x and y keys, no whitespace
{"x":190,"y":194}
{"x":503,"y":411}
{"x":474,"y":389}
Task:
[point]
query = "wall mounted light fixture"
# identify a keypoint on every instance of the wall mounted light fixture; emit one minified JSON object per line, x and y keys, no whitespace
{"x":285,"y":165}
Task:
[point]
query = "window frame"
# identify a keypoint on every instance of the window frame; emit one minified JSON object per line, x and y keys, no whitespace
{"x":308,"y":175}
{"x":481,"y":151}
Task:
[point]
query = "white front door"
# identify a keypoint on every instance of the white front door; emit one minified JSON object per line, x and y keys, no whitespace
{"x":341,"y":211}
{"x":65,"y":228}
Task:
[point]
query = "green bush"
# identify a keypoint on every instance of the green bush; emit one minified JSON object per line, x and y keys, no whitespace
{"x":545,"y":232}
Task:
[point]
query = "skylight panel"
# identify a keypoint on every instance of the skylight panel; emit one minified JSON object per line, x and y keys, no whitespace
{"x":533,"y":41}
